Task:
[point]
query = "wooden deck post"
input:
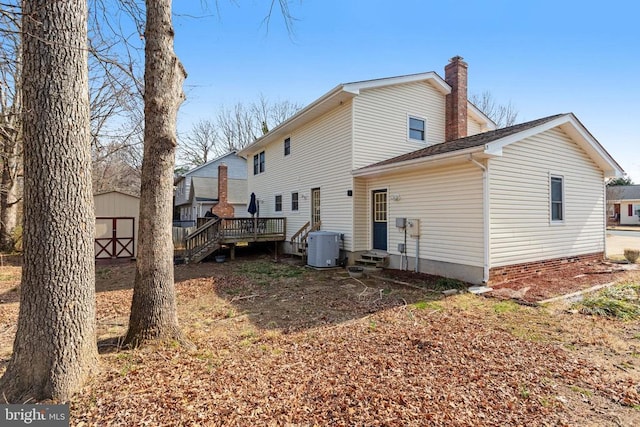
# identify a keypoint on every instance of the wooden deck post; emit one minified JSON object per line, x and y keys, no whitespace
{"x":233,"y":251}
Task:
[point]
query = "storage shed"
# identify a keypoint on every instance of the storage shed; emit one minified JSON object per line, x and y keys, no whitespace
{"x":117,"y":216}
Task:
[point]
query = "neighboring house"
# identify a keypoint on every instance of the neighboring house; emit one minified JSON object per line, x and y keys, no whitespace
{"x":196,"y":192}
{"x":479,"y":204}
{"x":624,"y":204}
{"x":117,"y":223}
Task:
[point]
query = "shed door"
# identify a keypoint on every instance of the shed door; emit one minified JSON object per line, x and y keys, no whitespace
{"x":114,"y":237}
{"x":379,"y":219}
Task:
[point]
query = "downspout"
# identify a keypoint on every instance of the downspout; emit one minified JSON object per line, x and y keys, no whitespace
{"x":606,"y":214}
{"x":485,"y":216}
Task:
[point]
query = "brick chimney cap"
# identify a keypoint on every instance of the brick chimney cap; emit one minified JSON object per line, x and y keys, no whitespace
{"x":457,"y":58}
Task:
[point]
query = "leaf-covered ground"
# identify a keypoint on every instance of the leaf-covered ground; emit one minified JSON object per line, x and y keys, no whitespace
{"x":279,"y":345}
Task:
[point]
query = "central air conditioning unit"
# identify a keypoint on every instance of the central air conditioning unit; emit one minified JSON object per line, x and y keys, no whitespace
{"x":323,"y":249}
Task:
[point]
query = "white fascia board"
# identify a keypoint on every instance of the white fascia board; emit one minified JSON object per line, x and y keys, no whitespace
{"x":376,"y":170}
{"x":442,"y":86}
{"x":197,"y":168}
{"x":318,"y":107}
{"x":479,"y":116}
{"x":495,"y":147}
{"x":572,"y":126}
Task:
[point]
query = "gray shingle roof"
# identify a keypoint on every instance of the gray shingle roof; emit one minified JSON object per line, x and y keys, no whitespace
{"x":466,"y":142}
{"x":623,"y":192}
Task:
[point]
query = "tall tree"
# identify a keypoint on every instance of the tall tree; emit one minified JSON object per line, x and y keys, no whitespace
{"x":153,"y":309}
{"x":201,"y":144}
{"x":55,"y":345}
{"x":503,"y":115}
{"x":10,"y":125}
{"x":615,"y":182}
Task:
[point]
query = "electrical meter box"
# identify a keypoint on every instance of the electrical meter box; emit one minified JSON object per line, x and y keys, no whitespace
{"x":401,"y":222}
{"x":413,"y":227}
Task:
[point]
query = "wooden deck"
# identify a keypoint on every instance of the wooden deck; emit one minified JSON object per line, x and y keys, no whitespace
{"x":212,"y":233}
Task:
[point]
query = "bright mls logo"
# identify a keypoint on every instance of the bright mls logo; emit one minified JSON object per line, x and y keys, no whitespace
{"x":43,"y":415}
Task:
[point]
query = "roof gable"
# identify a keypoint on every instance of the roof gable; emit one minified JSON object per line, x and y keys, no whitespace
{"x":491,"y":144}
{"x":347,"y":91}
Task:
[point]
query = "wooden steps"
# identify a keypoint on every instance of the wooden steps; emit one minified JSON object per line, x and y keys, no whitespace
{"x":373,"y":260}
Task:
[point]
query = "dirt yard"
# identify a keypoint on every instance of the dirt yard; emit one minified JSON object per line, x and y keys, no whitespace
{"x":280,"y":344}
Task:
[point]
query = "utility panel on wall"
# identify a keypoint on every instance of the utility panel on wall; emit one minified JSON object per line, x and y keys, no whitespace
{"x":413,"y":227}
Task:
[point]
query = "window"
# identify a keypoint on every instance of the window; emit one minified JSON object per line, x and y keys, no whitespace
{"x":287,"y":146}
{"x":279,"y":203}
{"x":557,"y":199}
{"x":258,"y":163}
{"x":417,"y":128}
{"x":294,"y":201}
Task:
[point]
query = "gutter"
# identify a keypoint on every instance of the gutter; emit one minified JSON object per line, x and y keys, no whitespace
{"x":390,"y":167}
{"x":485,"y":217}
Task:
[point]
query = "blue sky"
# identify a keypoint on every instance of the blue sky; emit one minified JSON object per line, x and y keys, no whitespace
{"x":545,"y":57}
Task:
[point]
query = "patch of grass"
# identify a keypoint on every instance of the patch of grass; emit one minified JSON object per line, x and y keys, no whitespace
{"x":264,"y":272}
{"x":444,"y":283}
{"x":505,"y":307}
{"x":103,"y":273}
{"x":524,"y":392}
{"x":618,"y":302}
{"x":428,"y":305}
{"x":583,"y":391}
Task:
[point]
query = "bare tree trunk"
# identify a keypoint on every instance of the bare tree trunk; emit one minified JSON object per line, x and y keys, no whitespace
{"x":153,"y":309}
{"x":10,"y":128}
{"x":9,"y":197}
{"x":55,"y":345}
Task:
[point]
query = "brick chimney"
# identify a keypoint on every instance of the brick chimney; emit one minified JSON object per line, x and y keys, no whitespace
{"x":455,"y":74}
{"x":223,"y":208}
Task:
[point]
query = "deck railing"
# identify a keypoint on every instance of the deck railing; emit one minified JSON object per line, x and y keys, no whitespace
{"x":218,"y":231}
{"x":253,"y":229}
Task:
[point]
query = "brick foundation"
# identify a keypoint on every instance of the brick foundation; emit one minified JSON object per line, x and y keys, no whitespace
{"x":529,"y":269}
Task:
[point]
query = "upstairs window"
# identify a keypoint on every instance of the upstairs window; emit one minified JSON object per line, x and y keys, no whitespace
{"x":294,"y":201}
{"x":279,"y":203}
{"x":557,"y":198}
{"x":417,"y":128}
{"x":287,"y":146}
{"x":258,"y":163}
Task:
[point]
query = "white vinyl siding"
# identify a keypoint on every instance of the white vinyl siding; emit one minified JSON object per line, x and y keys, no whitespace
{"x":361,"y":211}
{"x":321,"y":159}
{"x":380,"y":121}
{"x":521,"y":230}
{"x":473,"y":127}
{"x":448,"y":203}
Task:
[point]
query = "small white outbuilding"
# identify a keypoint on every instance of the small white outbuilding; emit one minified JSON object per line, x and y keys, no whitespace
{"x":117,"y":216}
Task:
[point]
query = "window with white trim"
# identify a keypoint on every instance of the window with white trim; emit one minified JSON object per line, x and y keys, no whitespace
{"x":294,"y":201}
{"x":417,"y":128}
{"x":287,"y":146}
{"x":258,"y":163}
{"x":278,"y":202}
{"x":557,"y":198}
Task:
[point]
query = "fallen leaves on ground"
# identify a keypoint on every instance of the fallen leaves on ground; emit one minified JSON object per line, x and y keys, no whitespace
{"x":319,"y":348}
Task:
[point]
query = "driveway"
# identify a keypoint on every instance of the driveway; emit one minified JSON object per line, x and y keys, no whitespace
{"x":619,"y":240}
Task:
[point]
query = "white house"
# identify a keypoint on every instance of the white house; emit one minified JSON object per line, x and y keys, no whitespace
{"x":196,"y":192}
{"x":477,"y":203}
{"x":624,"y":202}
